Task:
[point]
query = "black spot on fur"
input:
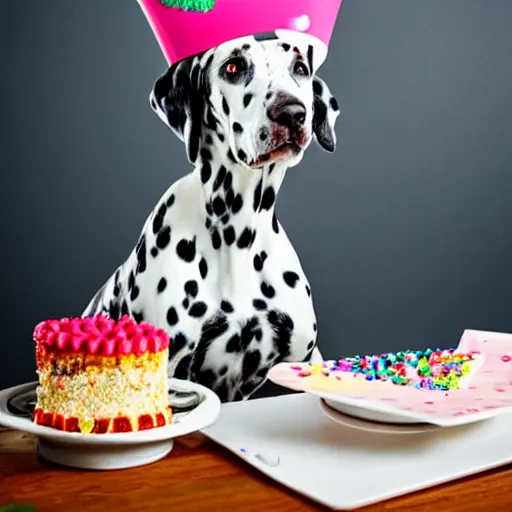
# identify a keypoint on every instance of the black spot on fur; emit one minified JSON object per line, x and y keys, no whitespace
{"x":259,"y":304}
{"x":172,"y":316}
{"x":131,"y":280}
{"x":124,"y":308}
{"x":334,"y":104}
{"x":223,"y":371}
{"x":228,"y":181}
{"x":286,"y":47}
{"x":267,"y":290}
{"x":221,"y":175}
{"x":183,"y":369}
{"x":219,"y":206}
{"x":257,"y":263}
{"x":209,"y":209}
{"x":114,"y":311}
{"x":220,"y":136}
{"x":269,"y":197}
{"x":225,"y":219}
{"x":191,"y":287}
{"x":206,"y":172}
{"x":179,"y":342}
{"x":203,"y":268}
{"x":225,"y":106}
{"x":249,"y":332}
{"x":158,"y":219}
{"x":237,"y":127}
{"x":206,"y":154}
{"x":233,"y":345}
{"x":208,"y":139}
{"x":250,"y":364}
{"x":238,"y":202}
{"x":308,"y":290}
{"x":317,"y":88}
{"x":226,"y":306}
{"x":290,"y":278}
{"x":138,"y":317}
{"x":241,"y":155}
{"x":311,"y":344}
{"x":154,"y":252}
{"x":310,"y":58}
{"x":245,"y":239}
{"x":247,"y":99}
{"x":282,"y":325}
{"x":186,"y":249}
{"x":164,"y":237}
{"x":211,"y":330}
{"x":216,"y":239}
{"x":141,"y":255}
{"x":170,"y":201}
{"x":134,"y":293}
{"x":314,"y":327}
{"x":257,"y":196}
{"x":229,"y":235}
{"x":275,"y":224}
{"x":261,"y":374}
{"x":185,"y":303}
{"x":161,"y":285}
{"x":198,"y":309}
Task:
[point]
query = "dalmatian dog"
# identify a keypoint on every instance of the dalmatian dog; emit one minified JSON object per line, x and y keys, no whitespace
{"x":213,"y":266}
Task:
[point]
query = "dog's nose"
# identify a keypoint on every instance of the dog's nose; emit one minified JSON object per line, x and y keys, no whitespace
{"x":287,"y":111}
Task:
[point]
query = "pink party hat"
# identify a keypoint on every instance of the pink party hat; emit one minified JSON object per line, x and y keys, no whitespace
{"x":187,"y":27}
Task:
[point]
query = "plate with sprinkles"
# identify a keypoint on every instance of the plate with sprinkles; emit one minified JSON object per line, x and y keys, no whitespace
{"x":444,"y":387}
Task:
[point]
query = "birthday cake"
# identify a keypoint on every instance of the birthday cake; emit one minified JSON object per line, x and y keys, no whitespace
{"x":99,"y":376}
{"x":429,"y":369}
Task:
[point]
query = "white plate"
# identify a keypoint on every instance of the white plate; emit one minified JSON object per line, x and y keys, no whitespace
{"x":119,"y":450}
{"x":290,"y":440}
{"x":337,"y":413}
{"x":381,"y":413}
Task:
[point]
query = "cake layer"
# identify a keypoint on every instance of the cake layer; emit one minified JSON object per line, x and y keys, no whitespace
{"x":92,"y":387}
{"x":102,"y":425}
{"x":100,"y":335}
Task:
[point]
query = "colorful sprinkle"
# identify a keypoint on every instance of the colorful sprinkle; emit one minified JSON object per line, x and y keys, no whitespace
{"x":439,"y":369}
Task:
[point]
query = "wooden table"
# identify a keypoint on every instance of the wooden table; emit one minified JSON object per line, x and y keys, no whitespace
{"x":200,"y":476}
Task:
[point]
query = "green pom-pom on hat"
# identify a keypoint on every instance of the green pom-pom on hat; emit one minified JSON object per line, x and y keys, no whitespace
{"x":190,"y":5}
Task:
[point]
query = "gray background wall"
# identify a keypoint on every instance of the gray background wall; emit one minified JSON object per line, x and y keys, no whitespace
{"x":404,"y":233}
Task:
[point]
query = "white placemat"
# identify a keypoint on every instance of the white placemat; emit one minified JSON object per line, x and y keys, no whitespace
{"x":289,"y":439}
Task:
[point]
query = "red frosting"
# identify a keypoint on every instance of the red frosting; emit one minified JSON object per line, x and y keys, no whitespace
{"x":101,"y":335}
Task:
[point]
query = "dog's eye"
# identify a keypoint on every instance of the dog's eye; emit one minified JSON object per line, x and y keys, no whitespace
{"x":299,"y":68}
{"x":233,"y":68}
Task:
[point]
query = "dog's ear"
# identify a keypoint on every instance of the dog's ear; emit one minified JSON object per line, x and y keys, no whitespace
{"x":178,"y":99}
{"x":325,"y":113}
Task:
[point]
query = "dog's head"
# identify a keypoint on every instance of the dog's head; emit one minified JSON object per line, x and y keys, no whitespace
{"x":259,"y":98}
